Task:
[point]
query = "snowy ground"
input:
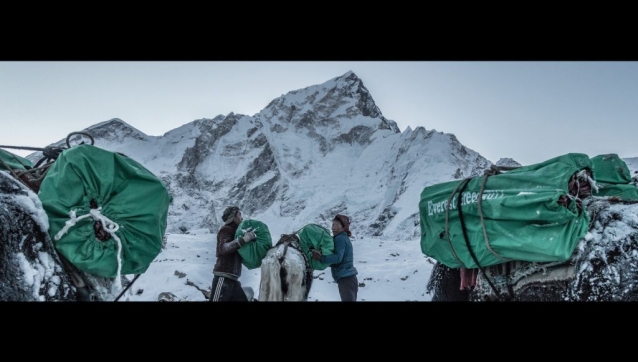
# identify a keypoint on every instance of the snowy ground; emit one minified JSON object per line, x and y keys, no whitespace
{"x":388,"y":271}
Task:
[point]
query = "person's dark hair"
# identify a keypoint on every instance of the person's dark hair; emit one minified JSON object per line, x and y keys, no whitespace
{"x":345,"y":222}
{"x":229,"y":214}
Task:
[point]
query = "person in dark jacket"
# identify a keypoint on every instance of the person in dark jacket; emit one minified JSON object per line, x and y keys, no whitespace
{"x":342,"y":260}
{"x":226,"y":286}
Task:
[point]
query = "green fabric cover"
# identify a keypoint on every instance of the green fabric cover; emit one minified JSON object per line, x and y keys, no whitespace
{"x":313,"y":236}
{"x":623,"y":192}
{"x":254,"y":252}
{"x":15,"y":162}
{"x":128,"y":194}
{"x":610,"y":169}
{"x":613,"y":177}
{"x":523,"y":220}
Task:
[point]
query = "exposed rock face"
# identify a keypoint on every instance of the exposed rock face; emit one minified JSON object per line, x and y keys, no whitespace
{"x":115,"y":129}
{"x":507,"y":162}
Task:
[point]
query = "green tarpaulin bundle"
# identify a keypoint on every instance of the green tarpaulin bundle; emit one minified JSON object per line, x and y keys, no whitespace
{"x":613,"y":177}
{"x":313,"y":236}
{"x":107,"y":213}
{"x":254,"y":252}
{"x":14,"y":162}
{"x":519,"y":216}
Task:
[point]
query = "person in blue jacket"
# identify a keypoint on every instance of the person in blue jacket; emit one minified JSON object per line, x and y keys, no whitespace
{"x":342,"y":260}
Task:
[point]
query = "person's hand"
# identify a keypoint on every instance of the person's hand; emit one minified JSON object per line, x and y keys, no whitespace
{"x":316,"y":254}
{"x":249,"y":236}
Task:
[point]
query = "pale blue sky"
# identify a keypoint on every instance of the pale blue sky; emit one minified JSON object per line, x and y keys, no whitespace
{"x":526,"y":110}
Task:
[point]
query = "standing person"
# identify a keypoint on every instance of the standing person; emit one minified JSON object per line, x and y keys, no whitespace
{"x":226,"y":286}
{"x":342,"y":260}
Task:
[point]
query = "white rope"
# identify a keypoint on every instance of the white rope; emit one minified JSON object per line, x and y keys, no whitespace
{"x":69,"y":223}
{"x":583,"y":174}
{"x":109,"y":226}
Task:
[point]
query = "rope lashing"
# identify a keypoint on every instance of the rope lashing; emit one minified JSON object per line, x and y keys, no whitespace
{"x":109,"y":226}
{"x":585,"y":175}
{"x":577,"y":191}
{"x":23,"y":148}
{"x":493,"y":171}
{"x":51,"y":153}
{"x":459,"y":206}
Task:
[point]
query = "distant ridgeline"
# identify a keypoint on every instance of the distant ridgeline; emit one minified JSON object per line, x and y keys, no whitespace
{"x":532,"y":213}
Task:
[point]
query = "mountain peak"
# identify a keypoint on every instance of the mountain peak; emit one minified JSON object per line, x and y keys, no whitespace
{"x":335,"y":107}
{"x":507,"y":162}
{"x":112,"y":122}
{"x":349,"y":75}
{"x":115,"y":128}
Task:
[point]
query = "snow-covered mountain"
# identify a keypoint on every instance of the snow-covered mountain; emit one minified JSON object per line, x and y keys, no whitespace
{"x":309,"y":154}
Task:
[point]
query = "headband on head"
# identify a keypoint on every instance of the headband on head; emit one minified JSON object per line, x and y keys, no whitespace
{"x":229,"y":214}
{"x":345,"y":221}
